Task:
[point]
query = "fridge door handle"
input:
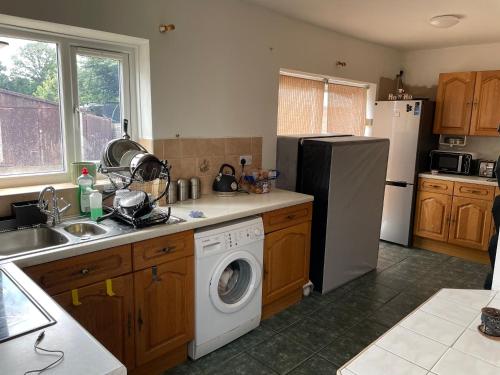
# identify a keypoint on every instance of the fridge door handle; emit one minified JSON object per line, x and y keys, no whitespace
{"x":397,"y":183}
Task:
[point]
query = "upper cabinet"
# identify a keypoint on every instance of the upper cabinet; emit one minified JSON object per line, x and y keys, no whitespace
{"x":486,"y":108}
{"x":466,"y":104}
{"x":454,"y":103}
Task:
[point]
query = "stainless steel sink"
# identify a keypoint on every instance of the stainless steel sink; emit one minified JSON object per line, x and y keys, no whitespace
{"x":70,"y":232}
{"x":19,"y":241}
{"x":85,"y":229}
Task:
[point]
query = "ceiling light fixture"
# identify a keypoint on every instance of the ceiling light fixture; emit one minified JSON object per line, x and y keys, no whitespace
{"x":445,"y":21}
{"x":3,"y":44}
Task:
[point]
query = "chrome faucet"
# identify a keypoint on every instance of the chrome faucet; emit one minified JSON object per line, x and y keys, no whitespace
{"x":54,"y":214}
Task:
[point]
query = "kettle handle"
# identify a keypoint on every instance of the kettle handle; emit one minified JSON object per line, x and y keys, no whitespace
{"x":233,"y":171}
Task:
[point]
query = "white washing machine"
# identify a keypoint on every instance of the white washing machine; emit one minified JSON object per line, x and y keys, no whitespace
{"x":228,"y":283}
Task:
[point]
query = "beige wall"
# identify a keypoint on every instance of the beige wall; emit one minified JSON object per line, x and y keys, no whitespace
{"x":422,"y":69}
{"x":216,"y":75}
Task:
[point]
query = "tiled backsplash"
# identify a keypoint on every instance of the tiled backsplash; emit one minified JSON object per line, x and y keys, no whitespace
{"x":202,"y":157}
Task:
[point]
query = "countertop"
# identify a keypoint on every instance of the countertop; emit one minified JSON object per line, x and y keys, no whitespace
{"x":440,"y":337}
{"x":83,"y":354}
{"x":460,"y":178}
{"x":216,"y":209}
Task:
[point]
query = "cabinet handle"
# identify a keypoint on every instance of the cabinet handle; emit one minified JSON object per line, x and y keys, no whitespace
{"x":291,"y":217}
{"x":129,"y":324}
{"x":471,"y":191}
{"x":167,"y":250}
{"x":139,"y":319}
{"x":436,"y":186}
{"x":84,"y":271}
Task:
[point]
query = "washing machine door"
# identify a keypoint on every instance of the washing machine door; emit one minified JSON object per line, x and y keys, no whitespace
{"x":235,"y":281}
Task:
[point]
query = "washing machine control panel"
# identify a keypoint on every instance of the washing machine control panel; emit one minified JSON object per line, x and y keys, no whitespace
{"x":232,"y":239}
{"x":242,"y":237}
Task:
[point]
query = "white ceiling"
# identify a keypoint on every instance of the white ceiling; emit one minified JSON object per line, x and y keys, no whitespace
{"x":402,"y":24}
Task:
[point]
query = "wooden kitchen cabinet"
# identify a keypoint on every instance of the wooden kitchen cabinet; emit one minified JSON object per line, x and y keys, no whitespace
{"x":74,"y":272}
{"x":287,"y":247}
{"x":286,"y":254}
{"x":470,"y":223}
{"x":110,"y":319}
{"x":485,"y":110}
{"x":432,"y":215}
{"x":149,"y":319}
{"x":454,"y":218}
{"x":454,"y":100}
{"x":164,"y":308}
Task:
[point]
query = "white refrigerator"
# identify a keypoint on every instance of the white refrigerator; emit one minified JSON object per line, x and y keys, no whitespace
{"x":408,"y":125}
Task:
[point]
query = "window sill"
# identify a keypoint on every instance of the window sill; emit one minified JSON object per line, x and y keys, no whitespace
{"x":8,"y":192}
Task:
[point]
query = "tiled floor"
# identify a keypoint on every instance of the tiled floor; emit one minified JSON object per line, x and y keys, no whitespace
{"x":323,"y":332}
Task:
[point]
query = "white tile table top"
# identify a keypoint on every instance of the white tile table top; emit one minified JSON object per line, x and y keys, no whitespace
{"x":439,"y":338}
{"x":412,"y":346}
{"x":455,"y":362}
{"x":377,"y":361}
{"x":433,"y":327}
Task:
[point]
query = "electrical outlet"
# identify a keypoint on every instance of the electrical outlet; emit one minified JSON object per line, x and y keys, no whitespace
{"x":248,"y":159}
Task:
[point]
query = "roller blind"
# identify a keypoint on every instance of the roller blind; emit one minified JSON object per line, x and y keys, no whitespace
{"x":300,"y":109}
{"x":346,"y":109}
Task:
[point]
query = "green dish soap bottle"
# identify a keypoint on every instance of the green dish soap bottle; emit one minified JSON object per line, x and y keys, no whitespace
{"x":85,"y":185}
{"x":95,"y":205}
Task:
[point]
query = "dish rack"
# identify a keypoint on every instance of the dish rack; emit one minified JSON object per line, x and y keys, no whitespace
{"x":121,"y":178}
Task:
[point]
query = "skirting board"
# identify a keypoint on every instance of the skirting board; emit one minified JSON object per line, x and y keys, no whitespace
{"x":473,"y":255}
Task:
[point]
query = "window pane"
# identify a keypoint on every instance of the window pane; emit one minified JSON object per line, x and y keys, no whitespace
{"x":346,"y":109}
{"x":300,"y":106}
{"x":30,"y":116}
{"x":100,"y":104}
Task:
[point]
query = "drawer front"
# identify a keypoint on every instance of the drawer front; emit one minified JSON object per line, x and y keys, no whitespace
{"x":75,"y":272}
{"x":162,"y":249}
{"x":474,"y":191}
{"x":286,"y":217}
{"x":433,"y":185}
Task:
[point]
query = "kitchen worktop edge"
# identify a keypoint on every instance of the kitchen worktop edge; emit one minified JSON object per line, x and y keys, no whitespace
{"x":217,"y":210}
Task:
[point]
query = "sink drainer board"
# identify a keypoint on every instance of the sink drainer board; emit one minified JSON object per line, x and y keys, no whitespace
{"x":20,"y":314}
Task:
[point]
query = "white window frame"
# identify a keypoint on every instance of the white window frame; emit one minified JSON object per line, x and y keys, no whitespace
{"x":126,"y":91}
{"x":70,"y":40}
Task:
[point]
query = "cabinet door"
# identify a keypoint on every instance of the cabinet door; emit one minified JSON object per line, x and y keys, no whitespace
{"x":470,"y":223}
{"x":485,"y":108}
{"x":164,"y":302}
{"x":454,"y":103}
{"x":286,"y":261}
{"x":432,"y":215}
{"x":108,"y":318}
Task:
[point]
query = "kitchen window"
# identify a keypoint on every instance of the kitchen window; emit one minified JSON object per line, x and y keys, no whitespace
{"x":319,"y":105}
{"x":62,"y":99}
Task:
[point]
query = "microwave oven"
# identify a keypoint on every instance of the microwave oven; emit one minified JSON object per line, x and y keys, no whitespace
{"x":456,"y":162}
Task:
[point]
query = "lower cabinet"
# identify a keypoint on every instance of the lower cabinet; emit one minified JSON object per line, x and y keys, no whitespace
{"x":145,"y":316}
{"x":286,"y":260}
{"x":432,"y":215}
{"x":457,"y":222}
{"x":110,"y":319}
{"x":164,"y":304}
{"x":470,"y":223}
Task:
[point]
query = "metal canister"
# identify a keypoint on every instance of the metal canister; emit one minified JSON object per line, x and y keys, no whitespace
{"x":182,"y":189}
{"x":172,"y":192}
{"x":195,"y":188}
